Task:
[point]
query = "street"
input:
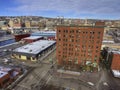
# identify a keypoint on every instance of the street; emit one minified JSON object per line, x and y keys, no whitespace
{"x":109,"y":80}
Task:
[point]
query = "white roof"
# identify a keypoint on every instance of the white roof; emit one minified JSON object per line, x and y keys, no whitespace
{"x":35,"y":47}
{"x":33,"y":37}
{"x":46,"y":32}
{"x":107,"y":41}
{"x":5,"y":69}
{"x":2,"y":74}
{"x":116,"y":73}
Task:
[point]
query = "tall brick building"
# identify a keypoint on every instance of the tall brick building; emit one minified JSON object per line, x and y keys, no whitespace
{"x":79,"y":45}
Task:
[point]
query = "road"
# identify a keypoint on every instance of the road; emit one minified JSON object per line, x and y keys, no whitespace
{"x":39,"y":76}
{"x":107,"y":82}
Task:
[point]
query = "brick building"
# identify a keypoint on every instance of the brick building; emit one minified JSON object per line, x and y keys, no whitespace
{"x":115,"y":61}
{"x":111,"y":57}
{"x":79,"y":45}
{"x":32,"y":39}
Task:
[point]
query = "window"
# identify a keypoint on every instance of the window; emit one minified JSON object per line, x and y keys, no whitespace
{"x":96,"y":46}
{"x":66,"y":31}
{"x":59,"y":39}
{"x":72,"y":40}
{"x":96,"y":51}
{"x":98,"y":32}
{"x":98,"y":37}
{"x":76,"y":31}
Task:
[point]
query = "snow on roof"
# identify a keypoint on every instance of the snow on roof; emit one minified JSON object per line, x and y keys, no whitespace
{"x":44,"y":33}
{"x":116,"y":73}
{"x":33,"y":37}
{"x":35,"y":47}
{"x":107,"y":41}
{"x":6,"y":37}
{"x":5,"y":69}
{"x":2,"y":74}
{"x":116,"y":52}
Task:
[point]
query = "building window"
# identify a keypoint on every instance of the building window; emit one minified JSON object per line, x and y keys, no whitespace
{"x":98,"y":37}
{"x":59,"y":39}
{"x":76,"y":31}
{"x":96,"y":46}
{"x":99,"y":32}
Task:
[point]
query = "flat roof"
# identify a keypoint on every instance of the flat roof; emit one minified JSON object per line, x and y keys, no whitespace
{"x":5,"y":69}
{"x":2,"y":74}
{"x":6,"y":37}
{"x":35,"y":47}
{"x":33,"y":37}
{"x":44,"y":33}
{"x":113,"y":50}
{"x":116,"y":73}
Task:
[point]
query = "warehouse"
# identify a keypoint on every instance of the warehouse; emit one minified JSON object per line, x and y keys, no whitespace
{"x":33,"y":51}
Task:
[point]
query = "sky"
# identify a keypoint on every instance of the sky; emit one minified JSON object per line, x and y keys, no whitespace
{"x":86,"y":9}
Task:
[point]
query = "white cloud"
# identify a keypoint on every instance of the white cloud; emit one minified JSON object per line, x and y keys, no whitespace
{"x":64,"y":6}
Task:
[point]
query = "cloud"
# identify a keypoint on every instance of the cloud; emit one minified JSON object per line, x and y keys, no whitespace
{"x":64,"y":6}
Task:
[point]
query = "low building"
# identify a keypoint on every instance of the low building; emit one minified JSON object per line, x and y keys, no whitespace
{"x":8,"y":75}
{"x":48,"y":35}
{"x":4,"y":79}
{"x":32,"y":39}
{"x":112,"y":60}
{"x":33,"y":51}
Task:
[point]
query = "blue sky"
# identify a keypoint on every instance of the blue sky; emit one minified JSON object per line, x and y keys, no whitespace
{"x":97,"y":9}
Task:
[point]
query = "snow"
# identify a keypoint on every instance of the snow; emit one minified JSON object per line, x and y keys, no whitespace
{"x":105,"y":83}
{"x":4,"y":69}
{"x":35,"y":47}
{"x":44,"y":33}
{"x":116,"y":73}
{"x":107,"y":41}
{"x":33,"y":37}
{"x":90,"y":83}
{"x":2,"y":74}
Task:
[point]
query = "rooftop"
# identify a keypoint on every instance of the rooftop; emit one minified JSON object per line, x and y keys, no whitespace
{"x":33,"y":37}
{"x":113,"y":50}
{"x":44,"y":33}
{"x":4,"y":69}
{"x":116,"y":73}
{"x":2,"y":74}
{"x":112,"y":45}
{"x":6,"y":37}
{"x":35,"y":47}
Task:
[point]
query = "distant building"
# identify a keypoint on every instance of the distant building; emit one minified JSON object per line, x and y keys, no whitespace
{"x":48,"y":35}
{"x":3,"y":25}
{"x":27,"y":24}
{"x":79,"y":46}
{"x":15,"y":23}
{"x":33,"y":51}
